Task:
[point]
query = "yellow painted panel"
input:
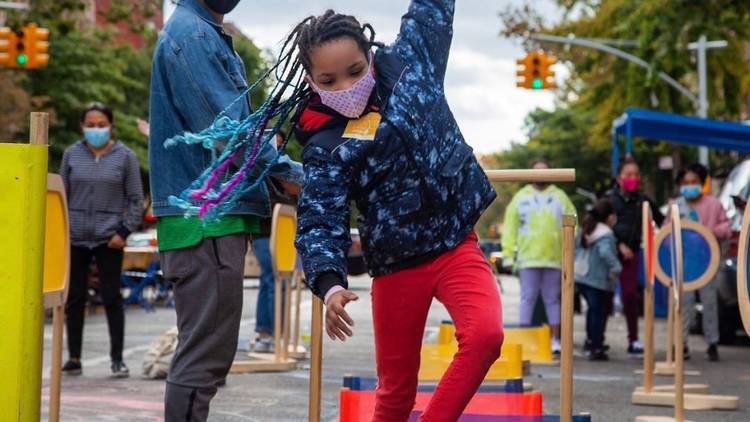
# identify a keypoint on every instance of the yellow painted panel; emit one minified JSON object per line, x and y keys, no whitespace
{"x":55,"y":243}
{"x":284,"y":252}
{"x":435,"y":358}
{"x":23,"y":182}
{"x":536,"y":342}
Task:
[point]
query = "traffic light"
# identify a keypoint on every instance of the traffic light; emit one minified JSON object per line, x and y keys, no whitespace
{"x":25,"y":48}
{"x":22,"y":58}
{"x":7,"y":47}
{"x":535,"y":71}
{"x":37,"y":46}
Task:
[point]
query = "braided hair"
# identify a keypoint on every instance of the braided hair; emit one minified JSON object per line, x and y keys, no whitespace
{"x":219,"y":188}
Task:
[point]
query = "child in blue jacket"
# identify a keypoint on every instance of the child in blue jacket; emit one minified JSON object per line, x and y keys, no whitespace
{"x":377,"y":131}
{"x":596,"y":271}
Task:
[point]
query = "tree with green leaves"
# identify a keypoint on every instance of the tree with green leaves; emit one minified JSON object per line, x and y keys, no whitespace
{"x":601,"y":86}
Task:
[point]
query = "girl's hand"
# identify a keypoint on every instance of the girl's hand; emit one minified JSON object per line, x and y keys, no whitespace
{"x":338,"y":322}
{"x":626,"y":252}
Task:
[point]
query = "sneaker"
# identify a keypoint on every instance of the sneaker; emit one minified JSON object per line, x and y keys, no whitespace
{"x":120,"y":370}
{"x":556,"y":347}
{"x":598,"y":356}
{"x":264,"y":345}
{"x":72,"y":368}
{"x":635,"y":349}
{"x":713,"y":353}
{"x":685,"y":353}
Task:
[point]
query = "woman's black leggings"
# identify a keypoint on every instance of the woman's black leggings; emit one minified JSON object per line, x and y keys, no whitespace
{"x":109,"y":262}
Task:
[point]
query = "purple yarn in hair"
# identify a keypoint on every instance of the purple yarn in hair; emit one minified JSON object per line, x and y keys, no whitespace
{"x":199,"y":193}
{"x":235,"y":180}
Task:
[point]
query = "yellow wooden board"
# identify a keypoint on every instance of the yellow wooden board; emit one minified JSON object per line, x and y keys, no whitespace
{"x":283,"y":231}
{"x":56,"y":240}
{"x":23,"y":183}
{"x":435,"y":358}
{"x":536,"y":342}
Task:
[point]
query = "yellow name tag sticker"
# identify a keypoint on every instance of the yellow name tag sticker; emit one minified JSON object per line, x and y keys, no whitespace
{"x":363,"y":128}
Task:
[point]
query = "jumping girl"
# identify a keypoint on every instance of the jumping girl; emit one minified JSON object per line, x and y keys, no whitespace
{"x":377,"y":130}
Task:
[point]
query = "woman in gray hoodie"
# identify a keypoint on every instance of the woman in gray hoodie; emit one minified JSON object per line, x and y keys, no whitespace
{"x":596,"y":271}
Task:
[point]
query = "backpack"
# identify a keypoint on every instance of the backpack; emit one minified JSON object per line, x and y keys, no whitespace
{"x":159,"y":356}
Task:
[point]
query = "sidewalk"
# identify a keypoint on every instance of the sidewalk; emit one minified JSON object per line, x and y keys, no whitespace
{"x":600,"y":388}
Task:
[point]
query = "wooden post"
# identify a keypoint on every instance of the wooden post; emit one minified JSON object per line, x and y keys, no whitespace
{"x":287,"y":317}
{"x":678,"y":280}
{"x":316,"y":360}
{"x":566,"y":322}
{"x":648,"y":352}
{"x":539,"y":175}
{"x":670,"y":330}
{"x":297,"y":310}
{"x":277,"y":303}
{"x":58,"y":316}
{"x":39,"y":129}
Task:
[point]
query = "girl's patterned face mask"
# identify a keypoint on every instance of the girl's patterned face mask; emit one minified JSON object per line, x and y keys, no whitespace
{"x":350,"y":102}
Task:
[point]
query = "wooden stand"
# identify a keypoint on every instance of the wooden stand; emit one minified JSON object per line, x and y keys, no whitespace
{"x":284,"y":256}
{"x":56,"y":265}
{"x":677,"y":398}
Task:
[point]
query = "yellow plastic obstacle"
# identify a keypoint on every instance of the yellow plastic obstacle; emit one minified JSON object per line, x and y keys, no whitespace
{"x":536,"y":342}
{"x":435,"y":358}
{"x":23,"y":183}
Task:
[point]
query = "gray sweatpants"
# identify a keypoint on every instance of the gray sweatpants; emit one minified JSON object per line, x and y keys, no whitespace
{"x":208,"y":299}
{"x":710,"y":315}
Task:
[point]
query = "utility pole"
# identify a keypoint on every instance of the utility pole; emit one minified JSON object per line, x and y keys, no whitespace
{"x":700,"y":47}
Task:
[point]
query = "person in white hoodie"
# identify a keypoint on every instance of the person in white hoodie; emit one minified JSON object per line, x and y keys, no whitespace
{"x":596,"y":271}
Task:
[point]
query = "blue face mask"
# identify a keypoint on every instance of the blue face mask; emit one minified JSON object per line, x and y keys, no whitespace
{"x":690,"y":191}
{"x":96,"y":136}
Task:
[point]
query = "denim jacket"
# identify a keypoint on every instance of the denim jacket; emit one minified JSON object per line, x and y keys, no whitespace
{"x":418,"y":188}
{"x":195,"y":75}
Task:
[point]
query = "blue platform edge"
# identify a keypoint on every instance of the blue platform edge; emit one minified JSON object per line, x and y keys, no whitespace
{"x":369,"y":384}
{"x":489,"y":418}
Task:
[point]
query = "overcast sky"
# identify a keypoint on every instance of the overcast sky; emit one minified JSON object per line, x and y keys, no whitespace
{"x":480,"y":83}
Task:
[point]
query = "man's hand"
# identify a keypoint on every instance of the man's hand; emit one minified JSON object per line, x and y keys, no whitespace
{"x":626,"y":252}
{"x":116,"y":242}
{"x":338,"y":322}
{"x":290,"y":188}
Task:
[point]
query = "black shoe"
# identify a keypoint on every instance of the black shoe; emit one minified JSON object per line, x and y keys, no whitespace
{"x":221,"y":383}
{"x":685,"y":353}
{"x":120,"y":370}
{"x":72,"y":368}
{"x":587,"y":346}
{"x":598,"y":355}
{"x":713,"y":353}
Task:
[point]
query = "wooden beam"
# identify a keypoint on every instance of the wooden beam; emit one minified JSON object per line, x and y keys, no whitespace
{"x":541,"y":175}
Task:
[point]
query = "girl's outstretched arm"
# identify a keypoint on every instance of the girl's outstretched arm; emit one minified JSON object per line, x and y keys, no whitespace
{"x":426,"y":34}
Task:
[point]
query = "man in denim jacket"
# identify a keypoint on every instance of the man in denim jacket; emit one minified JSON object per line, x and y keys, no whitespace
{"x":196,"y":74}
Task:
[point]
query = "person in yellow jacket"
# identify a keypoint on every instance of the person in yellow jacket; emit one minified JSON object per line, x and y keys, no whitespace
{"x":532,"y":242}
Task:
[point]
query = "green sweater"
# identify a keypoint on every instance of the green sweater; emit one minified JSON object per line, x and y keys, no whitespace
{"x":532,"y":230}
{"x":176,"y":232}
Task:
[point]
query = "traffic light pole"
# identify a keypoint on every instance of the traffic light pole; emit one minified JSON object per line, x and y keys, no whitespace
{"x":700,"y":47}
{"x":700,"y":103}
